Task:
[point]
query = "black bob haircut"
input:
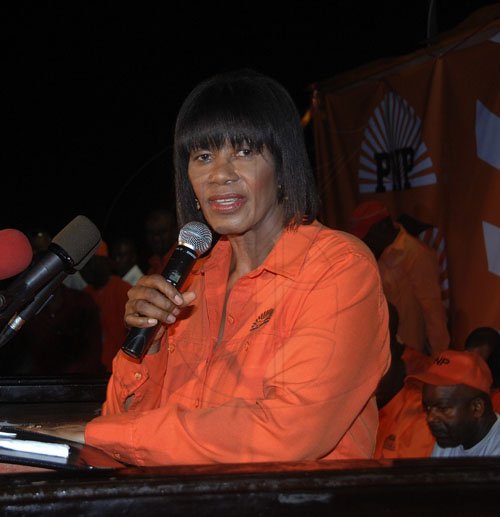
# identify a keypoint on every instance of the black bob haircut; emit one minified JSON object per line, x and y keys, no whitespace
{"x":245,"y":107}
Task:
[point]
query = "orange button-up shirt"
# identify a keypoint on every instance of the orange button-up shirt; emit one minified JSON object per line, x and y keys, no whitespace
{"x":410,"y":275}
{"x":305,"y":344}
{"x":403,"y":431}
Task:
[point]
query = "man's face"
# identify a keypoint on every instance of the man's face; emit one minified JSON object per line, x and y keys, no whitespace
{"x":450,"y":414}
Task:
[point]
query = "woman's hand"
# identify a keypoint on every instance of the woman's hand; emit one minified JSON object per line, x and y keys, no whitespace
{"x":153,"y":300}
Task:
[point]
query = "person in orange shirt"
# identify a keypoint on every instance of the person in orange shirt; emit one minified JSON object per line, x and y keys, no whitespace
{"x":275,"y":348}
{"x":410,"y":275}
{"x":403,"y":430}
{"x":109,"y":291}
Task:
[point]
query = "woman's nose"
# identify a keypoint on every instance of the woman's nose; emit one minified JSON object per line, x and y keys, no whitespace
{"x":224,"y":170}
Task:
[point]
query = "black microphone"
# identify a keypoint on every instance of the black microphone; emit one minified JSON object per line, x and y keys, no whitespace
{"x":39,"y":301}
{"x":194,"y":240}
{"x":68,"y":252}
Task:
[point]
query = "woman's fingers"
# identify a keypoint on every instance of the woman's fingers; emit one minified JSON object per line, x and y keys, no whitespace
{"x":154,"y":300}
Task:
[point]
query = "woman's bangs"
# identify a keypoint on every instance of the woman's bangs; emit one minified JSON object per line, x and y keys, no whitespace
{"x":212,"y":129}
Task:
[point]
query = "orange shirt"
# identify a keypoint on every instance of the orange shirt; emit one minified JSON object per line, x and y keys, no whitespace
{"x":305,"y":345}
{"x":410,"y":275}
{"x":495,"y":399}
{"x":111,"y":300}
{"x":403,"y":431}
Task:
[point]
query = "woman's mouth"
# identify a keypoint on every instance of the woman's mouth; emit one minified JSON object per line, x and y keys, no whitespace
{"x":226,"y":203}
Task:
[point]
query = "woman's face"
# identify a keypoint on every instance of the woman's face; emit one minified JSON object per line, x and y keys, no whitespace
{"x":237,"y":190}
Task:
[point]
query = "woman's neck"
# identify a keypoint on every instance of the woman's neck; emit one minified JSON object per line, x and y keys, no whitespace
{"x":250,"y":250}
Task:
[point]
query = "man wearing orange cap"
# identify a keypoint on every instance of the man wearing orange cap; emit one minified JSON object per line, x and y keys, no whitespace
{"x":456,"y":399}
{"x":410,"y":275}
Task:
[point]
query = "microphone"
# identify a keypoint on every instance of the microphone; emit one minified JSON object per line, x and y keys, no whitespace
{"x":194,"y":240}
{"x":68,"y":252}
{"x":15,"y":253}
{"x":39,"y":301}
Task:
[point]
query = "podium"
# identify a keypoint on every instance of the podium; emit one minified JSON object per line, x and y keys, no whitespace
{"x":93,"y":485}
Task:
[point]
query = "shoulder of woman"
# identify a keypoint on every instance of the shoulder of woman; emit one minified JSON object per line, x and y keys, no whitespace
{"x":338,"y":243}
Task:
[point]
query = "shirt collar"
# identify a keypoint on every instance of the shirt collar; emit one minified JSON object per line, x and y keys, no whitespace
{"x":286,"y":258}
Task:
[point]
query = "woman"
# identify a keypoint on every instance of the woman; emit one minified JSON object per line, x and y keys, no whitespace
{"x":275,"y":347}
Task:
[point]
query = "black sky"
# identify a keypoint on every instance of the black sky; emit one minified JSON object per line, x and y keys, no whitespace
{"x":90,"y":90}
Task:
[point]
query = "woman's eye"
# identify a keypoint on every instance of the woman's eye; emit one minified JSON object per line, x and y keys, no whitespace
{"x":201,"y":157}
{"x":244,"y":151}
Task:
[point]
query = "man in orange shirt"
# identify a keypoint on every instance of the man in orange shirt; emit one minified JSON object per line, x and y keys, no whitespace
{"x":110,"y":294}
{"x":410,"y":275}
{"x":274,"y":349}
{"x":403,"y":430}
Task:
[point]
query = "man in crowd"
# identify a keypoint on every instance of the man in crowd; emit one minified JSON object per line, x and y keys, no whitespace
{"x":410,"y":275}
{"x":456,"y":399}
{"x":402,"y":430}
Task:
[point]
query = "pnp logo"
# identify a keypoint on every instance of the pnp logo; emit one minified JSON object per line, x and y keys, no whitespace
{"x":262,"y":319}
{"x":441,"y":361}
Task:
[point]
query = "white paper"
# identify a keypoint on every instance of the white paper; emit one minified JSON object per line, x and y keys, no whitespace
{"x":50,"y":449}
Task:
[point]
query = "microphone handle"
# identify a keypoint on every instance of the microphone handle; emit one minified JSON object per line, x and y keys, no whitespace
{"x":39,"y":301}
{"x":176,"y":271}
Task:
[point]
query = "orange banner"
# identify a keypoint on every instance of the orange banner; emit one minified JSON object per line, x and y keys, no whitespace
{"x":422,"y":134}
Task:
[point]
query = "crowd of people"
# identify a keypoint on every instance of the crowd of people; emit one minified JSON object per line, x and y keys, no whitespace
{"x":81,"y":327}
{"x":290,"y":340}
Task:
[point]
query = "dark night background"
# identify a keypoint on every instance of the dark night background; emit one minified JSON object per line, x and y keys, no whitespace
{"x":90,"y":90}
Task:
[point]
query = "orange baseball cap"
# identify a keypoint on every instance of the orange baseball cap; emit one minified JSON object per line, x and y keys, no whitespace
{"x":457,"y":367}
{"x":365,"y":215}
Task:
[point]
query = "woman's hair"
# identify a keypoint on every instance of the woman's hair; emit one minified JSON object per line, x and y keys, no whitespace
{"x":245,"y":107}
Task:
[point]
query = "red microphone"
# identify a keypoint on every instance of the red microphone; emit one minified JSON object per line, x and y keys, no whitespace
{"x":15,"y":253}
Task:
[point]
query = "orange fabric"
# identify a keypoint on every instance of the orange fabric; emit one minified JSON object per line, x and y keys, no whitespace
{"x":414,"y":360}
{"x":421,"y":101}
{"x":403,"y":431}
{"x":111,"y":300}
{"x":410,"y":275}
{"x":365,"y":215}
{"x":495,"y":399}
{"x":305,"y":345}
{"x":102,"y":250}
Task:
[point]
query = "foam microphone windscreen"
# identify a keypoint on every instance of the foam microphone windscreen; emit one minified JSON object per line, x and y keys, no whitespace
{"x":79,"y":240}
{"x":15,"y":253}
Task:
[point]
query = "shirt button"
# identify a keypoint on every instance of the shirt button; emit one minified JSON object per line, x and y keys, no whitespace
{"x":116,"y":455}
{"x":138,"y":376}
{"x":171,"y":348}
{"x":197,"y":403}
{"x":230,"y":319}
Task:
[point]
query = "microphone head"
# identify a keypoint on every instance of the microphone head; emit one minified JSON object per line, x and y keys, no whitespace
{"x":16,"y":253}
{"x":79,"y":239}
{"x":196,"y":236}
